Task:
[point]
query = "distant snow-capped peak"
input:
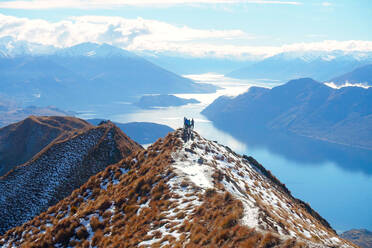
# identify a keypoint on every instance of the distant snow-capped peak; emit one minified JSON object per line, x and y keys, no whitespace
{"x":10,"y":47}
{"x":89,"y":49}
{"x":310,"y":56}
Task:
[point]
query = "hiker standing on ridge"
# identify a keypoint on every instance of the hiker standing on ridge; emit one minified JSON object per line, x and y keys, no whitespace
{"x":188,"y":125}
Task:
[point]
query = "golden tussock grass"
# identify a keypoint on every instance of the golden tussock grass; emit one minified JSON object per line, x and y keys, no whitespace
{"x":215,"y":223}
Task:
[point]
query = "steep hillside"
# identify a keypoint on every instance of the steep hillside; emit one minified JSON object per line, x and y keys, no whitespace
{"x":179,"y":194}
{"x":58,"y":169}
{"x":361,"y":75}
{"x":303,"y":106}
{"x":20,"y":141}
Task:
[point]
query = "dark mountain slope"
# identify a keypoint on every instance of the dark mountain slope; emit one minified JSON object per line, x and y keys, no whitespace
{"x":361,"y":75}
{"x":177,"y":194}
{"x":20,"y":141}
{"x":302,"y":106}
{"x":57,"y":170}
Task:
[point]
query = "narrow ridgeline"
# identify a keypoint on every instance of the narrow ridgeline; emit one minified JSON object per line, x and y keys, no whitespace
{"x":179,"y":194}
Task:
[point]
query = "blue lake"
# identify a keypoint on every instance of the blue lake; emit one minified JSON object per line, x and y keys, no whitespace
{"x":335,"y":180}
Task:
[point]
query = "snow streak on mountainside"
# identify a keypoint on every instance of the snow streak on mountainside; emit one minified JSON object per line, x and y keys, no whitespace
{"x":268,"y":205}
{"x":179,"y":194}
{"x":57,"y":170}
{"x":20,"y":141}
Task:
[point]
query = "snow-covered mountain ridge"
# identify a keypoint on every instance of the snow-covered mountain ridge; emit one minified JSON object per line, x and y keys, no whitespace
{"x":11,"y":48}
{"x":179,"y":194}
{"x":268,"y":206}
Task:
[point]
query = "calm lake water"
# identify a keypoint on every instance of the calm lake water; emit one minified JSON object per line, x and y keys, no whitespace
{"x":335,"y":180}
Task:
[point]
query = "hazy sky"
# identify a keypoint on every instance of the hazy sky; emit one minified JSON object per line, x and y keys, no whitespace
{"x":222,"y":28}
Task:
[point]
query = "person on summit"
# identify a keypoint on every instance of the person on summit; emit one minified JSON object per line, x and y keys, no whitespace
{"x":187,"y":128}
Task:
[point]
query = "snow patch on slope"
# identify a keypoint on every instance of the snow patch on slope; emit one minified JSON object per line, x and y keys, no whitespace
{"x":199,"y":159}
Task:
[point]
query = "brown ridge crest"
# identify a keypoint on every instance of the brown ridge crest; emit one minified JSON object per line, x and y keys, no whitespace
{"x":145,"y":201}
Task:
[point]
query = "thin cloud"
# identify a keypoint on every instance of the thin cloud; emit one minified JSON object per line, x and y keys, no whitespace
{"x":156,"y":37}
{"x":326,"y":4}
{"x":347,"y":84}
{"x":108,"y":4}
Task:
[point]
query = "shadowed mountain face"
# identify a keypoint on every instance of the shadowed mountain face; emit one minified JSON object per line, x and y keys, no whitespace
{"x":361,"y":75}
{"x":304,"y":107}
{"x":85,"y":74}
{"x":57,"y":170}
{"x":20,"y":141}
{"x":141,"y":132}
{"x":175,"y":193}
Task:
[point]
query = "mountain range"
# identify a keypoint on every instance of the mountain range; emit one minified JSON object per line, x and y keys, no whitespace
{"x":319,"y":65}
{"x":304,"y":107}
{"x":84,"y":75}
{"x":10,"y":47}
{"x":179,"y":193}
{"x":361,"y":75}
{"x":76,"y":154}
